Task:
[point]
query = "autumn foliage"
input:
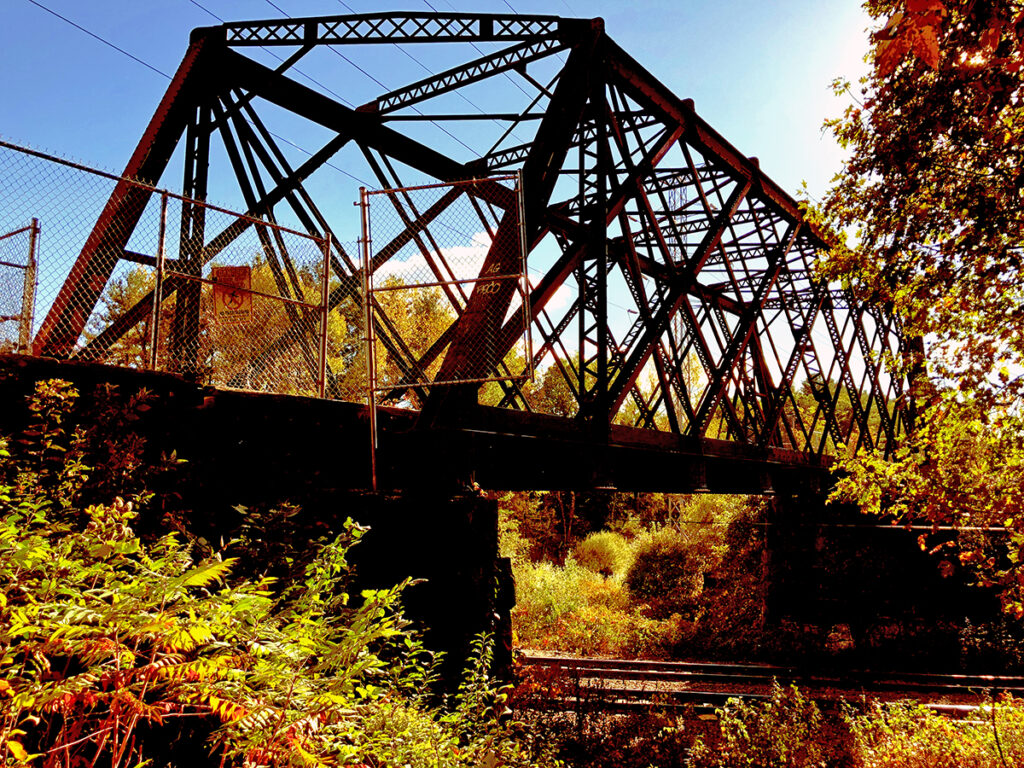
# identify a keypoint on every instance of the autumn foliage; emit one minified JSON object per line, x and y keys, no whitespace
{"x":123,"y":650}
{"x":933,"y":197}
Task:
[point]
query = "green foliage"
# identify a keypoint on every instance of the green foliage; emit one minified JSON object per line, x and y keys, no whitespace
{"x":605,"y":553}
{"x":668,"y":569}
{"x":964,"y":466}
{"x":933,"y":183}
{"x":907,"y":735}
{"x":573,"y":609}
{"x":790,"y":730}
{"x":785,"y":732}
{"x":121,"y":651}
{"x":555,"y":392}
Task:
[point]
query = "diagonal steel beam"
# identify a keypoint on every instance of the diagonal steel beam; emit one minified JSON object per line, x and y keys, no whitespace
{"x":481,"y":322}
{"x":365,"y":129}
{"x":744,"y":330}
{"x":77,"y":298}
{"x":228,"y":235}
{"x":678,"y":291}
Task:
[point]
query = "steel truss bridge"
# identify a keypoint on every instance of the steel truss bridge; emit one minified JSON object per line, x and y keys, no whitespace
{"x":672,"y":298}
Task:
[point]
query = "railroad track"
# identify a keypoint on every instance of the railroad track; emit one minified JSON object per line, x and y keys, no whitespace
{"x":617,"y":684}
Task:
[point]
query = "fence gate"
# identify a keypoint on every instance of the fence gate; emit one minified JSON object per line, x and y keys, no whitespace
{"x":18,"y":287}
{"x":426,"y":251}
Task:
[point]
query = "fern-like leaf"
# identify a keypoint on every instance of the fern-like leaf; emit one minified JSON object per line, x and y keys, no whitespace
{"x":208,"y":573}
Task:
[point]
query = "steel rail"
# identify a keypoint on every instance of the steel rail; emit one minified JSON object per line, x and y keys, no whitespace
{"x":596,"y":678}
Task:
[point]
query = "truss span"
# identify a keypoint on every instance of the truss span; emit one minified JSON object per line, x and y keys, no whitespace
{"x":671,"y":281}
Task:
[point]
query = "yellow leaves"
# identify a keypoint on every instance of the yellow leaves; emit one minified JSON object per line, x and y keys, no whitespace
{"x":206,"y":574}
{"x":186,"y":638}
{"x":228,"y":711}
{"x":19,"y":752}
{"x":201,"y":669}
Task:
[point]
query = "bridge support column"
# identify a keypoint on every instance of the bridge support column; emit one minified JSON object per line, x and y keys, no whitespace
{"x":452,"y":543}
{"x":791,"y":536}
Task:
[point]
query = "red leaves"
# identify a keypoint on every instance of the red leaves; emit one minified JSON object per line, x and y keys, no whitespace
{"x":916,"y":30}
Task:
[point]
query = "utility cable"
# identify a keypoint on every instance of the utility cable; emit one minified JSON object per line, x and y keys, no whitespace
{"x":101,"y":39}
{"x":168,"y":77}
{"x":444,"y":130}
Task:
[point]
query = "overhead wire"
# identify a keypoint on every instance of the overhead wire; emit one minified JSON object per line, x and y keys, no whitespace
{"x":169,"y":77}
{"x":101,"y":39}
{"x":444,"y":130}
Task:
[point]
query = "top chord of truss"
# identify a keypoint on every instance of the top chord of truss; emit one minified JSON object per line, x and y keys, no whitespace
{"x":396,"y":28}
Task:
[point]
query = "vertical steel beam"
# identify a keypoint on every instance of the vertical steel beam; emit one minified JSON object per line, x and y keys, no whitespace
{"x":595,"y":164}
{"x":191,"y":240}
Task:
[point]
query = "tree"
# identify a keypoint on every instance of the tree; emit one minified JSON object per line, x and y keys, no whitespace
{"x":123,"y":292}
{"x":413,"y":318}
{"x":933,"y":191}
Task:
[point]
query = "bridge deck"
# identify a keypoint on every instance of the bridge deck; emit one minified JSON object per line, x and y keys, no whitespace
{"x":243,"y":434}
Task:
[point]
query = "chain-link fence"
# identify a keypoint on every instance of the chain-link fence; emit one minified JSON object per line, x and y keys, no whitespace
{"x":18,"y":287}
{"x":132,"y":275}
{"x":136,"y":276}
{"x":447,"y":286}
{"x":243,"y":310}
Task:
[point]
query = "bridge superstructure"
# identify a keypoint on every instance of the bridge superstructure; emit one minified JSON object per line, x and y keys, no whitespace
{"x":673,"y":307}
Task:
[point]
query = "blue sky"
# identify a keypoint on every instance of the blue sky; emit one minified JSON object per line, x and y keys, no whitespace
{"x":757,"y":71}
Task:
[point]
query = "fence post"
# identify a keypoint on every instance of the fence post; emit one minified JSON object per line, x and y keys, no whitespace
{"x":154,"y":323}
{"x":28,"y":293}
{"x":371,"y":363}
{"x":324,"y":294}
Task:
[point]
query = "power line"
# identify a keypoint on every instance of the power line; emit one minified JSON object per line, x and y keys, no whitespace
{"x":168,"y":77}
{"x":274,"y":5}
{"x":101,"y":39}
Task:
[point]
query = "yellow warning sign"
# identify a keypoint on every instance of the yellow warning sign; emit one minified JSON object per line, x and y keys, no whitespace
{"x":232,"y":302}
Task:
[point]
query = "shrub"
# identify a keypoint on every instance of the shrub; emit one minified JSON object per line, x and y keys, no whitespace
{"x":732,"y":604}
{"x":906,"y":735}
{"x":786,"y":732}
{"x":605,"y":553}
{"x":667,"y":570}
{"x":545,"y":593}
{"x":574,"y":610}
{"x":120,"y":651}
